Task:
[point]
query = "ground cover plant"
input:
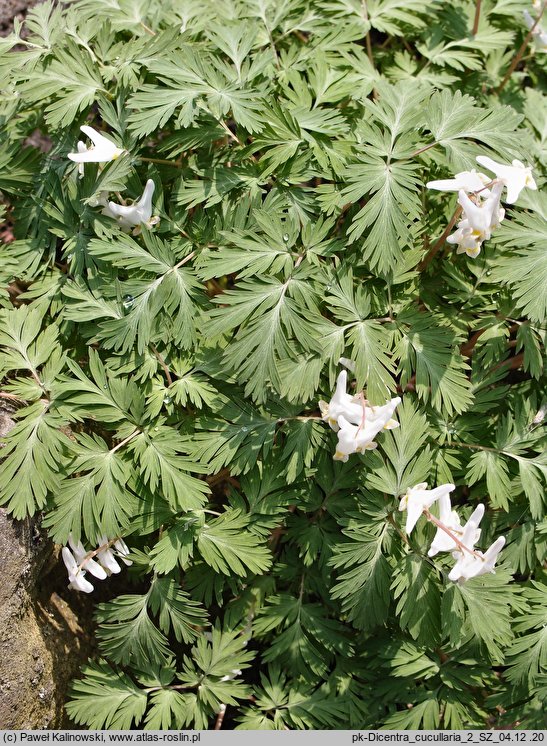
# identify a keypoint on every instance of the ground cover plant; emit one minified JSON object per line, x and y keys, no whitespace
{"x":272,"y":311}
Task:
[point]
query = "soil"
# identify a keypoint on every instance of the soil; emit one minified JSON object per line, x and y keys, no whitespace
{"x":11,"y":10}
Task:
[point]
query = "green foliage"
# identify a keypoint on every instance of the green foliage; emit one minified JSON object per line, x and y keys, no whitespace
{"x":165,"y":383}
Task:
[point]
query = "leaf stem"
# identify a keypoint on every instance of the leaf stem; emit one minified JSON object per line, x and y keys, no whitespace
{"x":11,"y":397}
{"x":421,"y":150}
{"x":438,"y":244}
{"x":477,"y":18}
{"x":125,"y":441}
{"x":162,"y":161}
{"x":162,"y":363}
{"x":148,"y":29}
{"x":517,"y":58}
{"x":368,"y":43}
{"x":229,"y":132}
{"x":488,"y":449}
{"x":190,"y":256}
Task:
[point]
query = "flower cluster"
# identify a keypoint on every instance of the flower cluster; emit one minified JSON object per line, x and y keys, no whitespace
{"x":451,"y":535}
{"x":480,"y":200}
{"x":100,"y":563}
{"x":104,"y":150}
{"x":539,"y":35}
{"x":356,"y":421}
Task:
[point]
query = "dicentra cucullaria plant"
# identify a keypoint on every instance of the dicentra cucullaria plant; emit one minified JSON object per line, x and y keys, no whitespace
{"x":265,"y":191}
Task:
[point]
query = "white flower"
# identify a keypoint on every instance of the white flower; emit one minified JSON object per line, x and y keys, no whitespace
{"x":514,"y":177}
{"x":470,"y":566}
{"x":123,"y":550}
{"x":341,"y":403}
{"x":358,"y":435}
{"x":232,"y":675}
{"x":130,"y":216}
{"x":78,"y":562}
{"x":469,"y":181}
{"x":418,"y":498}
{"x":80,"y":553}
{"x":479,"y":221}
{"x":76,"y":576}
{"x":538,"y":34}
{"x":443,"y":542}
{"x":82,"y":148}
{"x":102,"y":150}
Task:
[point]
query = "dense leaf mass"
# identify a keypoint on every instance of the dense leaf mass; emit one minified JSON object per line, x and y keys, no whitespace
{"x":166,"y":382}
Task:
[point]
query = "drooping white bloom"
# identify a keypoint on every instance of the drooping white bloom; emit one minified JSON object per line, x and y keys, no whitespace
{"x":419,"y":498}
{"x":443,"y":542}
{"x":82,"y":148}
{"x":80,"y":553}
{"x":471,"y":566}
{"x":103,"y":150}
{"x":341,"y":403}
{"x":469,"y":181}
{"x":478,"y":222}
{"x":358,"y":436}
{"x":515,"y":177}
{"x":131,"y":216}
{"x":76,"y":575}
{"x":539,"y":35}
{"x":78,"y":561}
{"x":123,"y":550}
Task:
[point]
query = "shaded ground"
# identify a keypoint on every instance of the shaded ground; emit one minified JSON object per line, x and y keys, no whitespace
{"x":10,"y":10}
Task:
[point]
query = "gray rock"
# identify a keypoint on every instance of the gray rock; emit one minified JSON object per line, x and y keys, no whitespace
{"x":42,"y":642}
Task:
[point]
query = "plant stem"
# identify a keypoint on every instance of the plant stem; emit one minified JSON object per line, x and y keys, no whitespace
{"x":477,"y":18}
{"x":488,"y":449}
{"x":436,"y":246}
{"x":220,"y":717}
{"x":162,"y":363}
{"x":420,"y":150}
{"x":95,"y":552}
{"x":517,"y":58}
{"x":147,"y":29}
{"x":160,"y":160}
{"x":190,"y":256}
{"x":125,"y":441}
{"x":11,"y":397}
{"x":368,"y":43}
{"x":229,"y":132}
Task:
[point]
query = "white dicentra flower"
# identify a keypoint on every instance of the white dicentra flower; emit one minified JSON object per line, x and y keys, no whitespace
{"x":133,"y":216}
{"x":443,"y":542}
{"x":341,"y":403}
{"x":102,"y":150}
{"x":357,"y":436}
{"x":515,"y":177}
{"x":82,"y":148}
{"x":78,"y":562}
{"x":80,"y":553}
{"x":419,"y":498}
{"x":76,"y":576}
{"x":471,"y":566}
{"x":469,"y":181}
{"x":123,"y":550}
{"x":478,"y":222}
